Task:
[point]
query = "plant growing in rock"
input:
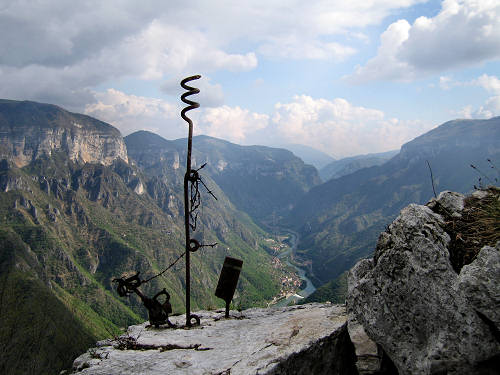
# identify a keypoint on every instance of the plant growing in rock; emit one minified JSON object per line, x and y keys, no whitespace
{"x":492,"y":181}
{"x":478,"y":226}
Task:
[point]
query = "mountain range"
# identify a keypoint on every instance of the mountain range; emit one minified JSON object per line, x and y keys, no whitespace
{"x":258,"y":180}
{"x":345,"y":166}
{"x":77,"y":212}
{"x":81,"y":205}
{"x":340,"y":220}
{"x":310,"y":155}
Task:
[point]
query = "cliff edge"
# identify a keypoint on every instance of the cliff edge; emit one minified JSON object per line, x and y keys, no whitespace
{"x":305,"y":339}
{"x":29,"y":130}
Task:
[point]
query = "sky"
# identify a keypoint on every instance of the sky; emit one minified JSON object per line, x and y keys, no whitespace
{"x":345,"y":77}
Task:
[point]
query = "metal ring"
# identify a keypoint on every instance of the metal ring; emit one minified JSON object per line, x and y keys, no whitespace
{"x":196,"y":318}
{"x":194,"y":245}
{"x":194,"y":176}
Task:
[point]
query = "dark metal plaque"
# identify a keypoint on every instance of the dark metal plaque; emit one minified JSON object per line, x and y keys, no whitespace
{"x":228,"y":280}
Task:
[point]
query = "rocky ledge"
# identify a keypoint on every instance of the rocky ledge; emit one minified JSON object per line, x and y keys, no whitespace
{"x":306,"y":339}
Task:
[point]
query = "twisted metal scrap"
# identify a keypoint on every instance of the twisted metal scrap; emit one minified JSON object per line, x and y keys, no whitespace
{"x":195,"y":196}
{"x":157,"y":311}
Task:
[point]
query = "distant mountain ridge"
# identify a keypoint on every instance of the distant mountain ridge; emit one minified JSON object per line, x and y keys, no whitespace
{"x":339,"y":221}
{"x":345,"y":166}
{"x":309,"y":155}
{"x":258,"y":180}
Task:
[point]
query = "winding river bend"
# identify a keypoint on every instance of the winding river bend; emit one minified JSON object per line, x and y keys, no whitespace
{"x":286,"y":256}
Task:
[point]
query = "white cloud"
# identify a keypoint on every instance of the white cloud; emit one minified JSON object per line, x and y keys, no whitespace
{"x":58,"y":33}
{"x":491,"y":107}
{"x":294,"y":28}
{"x":338,"y":127}
{"x":445,"y":82}
{"x":130,"y":113}
{"x":464,"y":33}
{"x":386,"y":65}
{"x":334,"y":126}
{"x":489,"y":83}
{"x":295,"y":48}
{"x":161,"y":48}
{"x":232,"y":123}
{"x":465,"y":112}
{"x":59,"y":51}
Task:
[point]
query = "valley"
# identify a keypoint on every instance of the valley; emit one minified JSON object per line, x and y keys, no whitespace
{"x":295,"y":284}
{"x":81,"y":205}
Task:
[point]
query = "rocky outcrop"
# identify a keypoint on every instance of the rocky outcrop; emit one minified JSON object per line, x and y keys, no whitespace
{"x":307,"y":339}
{"x":428,"y":318}
{"x":30,"y":130}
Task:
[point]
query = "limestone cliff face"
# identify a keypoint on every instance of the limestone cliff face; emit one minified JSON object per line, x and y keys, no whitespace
{"x":30,"y":130}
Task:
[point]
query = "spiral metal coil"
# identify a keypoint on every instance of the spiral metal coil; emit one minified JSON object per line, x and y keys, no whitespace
{"x":191,"y":104}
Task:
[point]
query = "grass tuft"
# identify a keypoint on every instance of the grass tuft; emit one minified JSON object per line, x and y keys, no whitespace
{"x":479,"y":226}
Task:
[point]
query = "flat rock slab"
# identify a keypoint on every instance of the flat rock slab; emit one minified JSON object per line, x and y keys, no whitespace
{"x":255,"y":341}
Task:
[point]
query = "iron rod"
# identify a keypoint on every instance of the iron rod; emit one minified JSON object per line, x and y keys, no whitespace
{"x":192,"y":105}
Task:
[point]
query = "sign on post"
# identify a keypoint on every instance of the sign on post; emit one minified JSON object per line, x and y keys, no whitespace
{"x":228,"y":280}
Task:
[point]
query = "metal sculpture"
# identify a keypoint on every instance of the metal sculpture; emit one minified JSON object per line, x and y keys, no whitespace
{"x":192,"y":196}
{"x":157,"y":311}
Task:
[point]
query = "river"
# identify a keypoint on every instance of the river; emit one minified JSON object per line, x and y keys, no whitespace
{"x":301,"y":294}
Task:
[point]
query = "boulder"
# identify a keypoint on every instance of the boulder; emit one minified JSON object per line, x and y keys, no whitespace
{"x":427,"y":318}
{"x":479,"y":281}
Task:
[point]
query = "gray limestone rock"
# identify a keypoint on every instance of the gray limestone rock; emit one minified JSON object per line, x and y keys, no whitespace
{"x":412,"y":303}
{"x":31,"y":130}
{"x":451,"y":202}
{"x":479,"y":281}
{"x":368,"y":358}
{"x":9,"y":182}
{"x":306,"y":339}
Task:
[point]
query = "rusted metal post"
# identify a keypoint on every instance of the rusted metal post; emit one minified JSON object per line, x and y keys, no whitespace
{"x":187,"y":179}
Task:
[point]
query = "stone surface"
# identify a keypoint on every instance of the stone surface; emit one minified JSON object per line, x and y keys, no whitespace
{"x":479,"y":281}
{"x":368,"y":359}
{"x":306,"y":339}
{"x":411,"y":302}
{"x":449,"y":201}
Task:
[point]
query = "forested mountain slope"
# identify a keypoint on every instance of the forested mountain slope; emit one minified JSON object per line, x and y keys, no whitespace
{"x":71,"y":222}
{"x":261,"y":181}
{"x":340,"y":220}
